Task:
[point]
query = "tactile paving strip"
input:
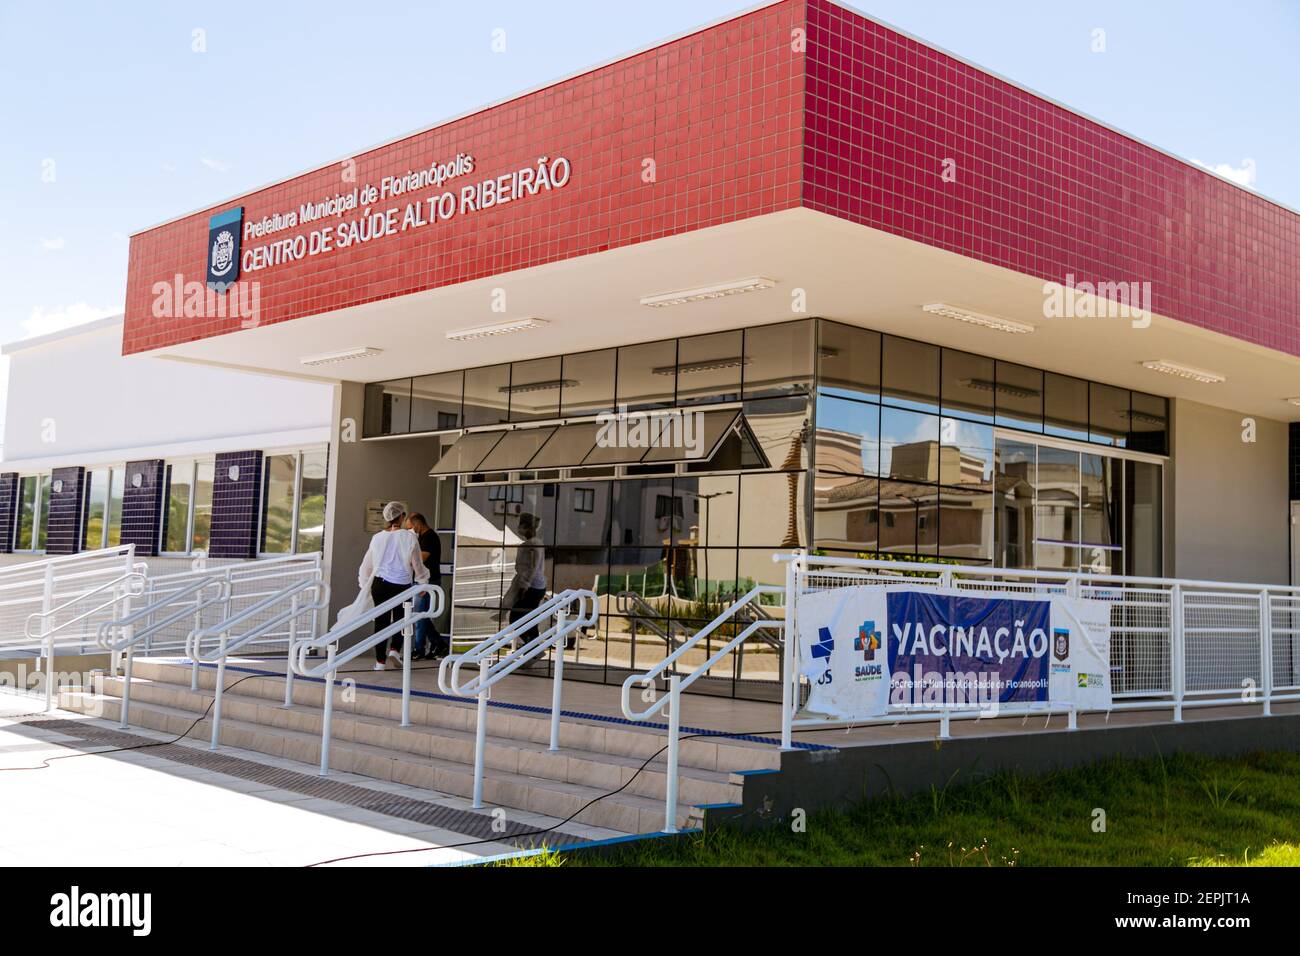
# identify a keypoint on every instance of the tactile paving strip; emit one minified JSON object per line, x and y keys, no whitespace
{"x":467,"y":822}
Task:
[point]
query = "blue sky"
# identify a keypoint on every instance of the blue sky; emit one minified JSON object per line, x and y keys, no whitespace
{"x":141,"y":128}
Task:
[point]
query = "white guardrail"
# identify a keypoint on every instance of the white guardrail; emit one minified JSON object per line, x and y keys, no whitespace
{"x":300,"y":662}
{"x":570,"y":611}
{"x":1174,"y":643}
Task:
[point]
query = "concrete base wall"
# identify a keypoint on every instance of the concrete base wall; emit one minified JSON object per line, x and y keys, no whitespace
{"x":1227,"y":512}
{"x":839,"y":779}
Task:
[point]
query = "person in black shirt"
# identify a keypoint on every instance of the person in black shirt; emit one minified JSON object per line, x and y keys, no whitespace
{"x":428,"y":642}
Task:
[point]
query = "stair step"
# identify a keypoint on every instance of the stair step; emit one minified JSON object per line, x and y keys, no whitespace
{"x":570,"y":764}
{"x":723,"y":754}
{"x":628,"y":812}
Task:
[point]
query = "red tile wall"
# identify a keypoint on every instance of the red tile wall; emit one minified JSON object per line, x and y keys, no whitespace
{"x":740,"y":125}
{"x":1039,"y":189}
{"x":720,"y":112}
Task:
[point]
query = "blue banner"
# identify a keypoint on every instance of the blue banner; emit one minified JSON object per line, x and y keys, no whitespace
{"x":953,"y":648}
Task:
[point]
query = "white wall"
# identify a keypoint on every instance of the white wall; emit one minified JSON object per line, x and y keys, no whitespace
{"x":100,"y":402}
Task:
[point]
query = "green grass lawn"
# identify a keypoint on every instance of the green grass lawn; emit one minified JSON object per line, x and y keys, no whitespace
{"x":1184,"y":810}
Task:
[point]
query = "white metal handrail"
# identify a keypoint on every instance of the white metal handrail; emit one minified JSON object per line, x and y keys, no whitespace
{"x":221,"y":631}
{"x":122,"y":588}
{"x":132,"y":636}
{"x":328,"y":668}
{"x":52,"y":585}
{"x":572,"y":609}
{"x":677,"y":684}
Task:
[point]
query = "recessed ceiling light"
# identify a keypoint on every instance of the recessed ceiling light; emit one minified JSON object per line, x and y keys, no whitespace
{"x":499,"y":328}
{"x":708,"y":365}
{"x":1294,"y":401}
{"x":1184,"y":371}
{"x":978,"y":318}
{"x":1006,"y":388}
{"x":346,"y":355}
{"x":720,"y":291}
{"x":539,"y":386}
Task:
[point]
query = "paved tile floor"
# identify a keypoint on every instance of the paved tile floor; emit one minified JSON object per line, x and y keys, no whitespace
{"x":141,"y":808}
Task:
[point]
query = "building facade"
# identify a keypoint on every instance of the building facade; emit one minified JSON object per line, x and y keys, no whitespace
{"x":792,"y":280}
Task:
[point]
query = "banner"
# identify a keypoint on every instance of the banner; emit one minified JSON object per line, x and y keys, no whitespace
{"x":867,"y":650}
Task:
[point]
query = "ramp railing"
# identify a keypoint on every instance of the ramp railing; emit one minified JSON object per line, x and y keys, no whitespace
{"x":672,"y":700}
{"x":1174,"y":643}
{"x":568,"y":611}
{"x":303,"y":598}
{"x":302,"y":664}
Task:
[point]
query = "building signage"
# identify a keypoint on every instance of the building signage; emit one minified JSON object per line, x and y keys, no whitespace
{"x":396,"y":204}
{"x":224,"y":231}
{"x":867,"y":651}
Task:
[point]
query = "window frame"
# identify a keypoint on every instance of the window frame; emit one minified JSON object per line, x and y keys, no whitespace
{"x":298,"y":454}
{"x":169,"y":469}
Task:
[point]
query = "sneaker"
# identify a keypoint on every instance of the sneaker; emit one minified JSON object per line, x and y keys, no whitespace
{"x":395,"y":657}
{"x":379,"y":667}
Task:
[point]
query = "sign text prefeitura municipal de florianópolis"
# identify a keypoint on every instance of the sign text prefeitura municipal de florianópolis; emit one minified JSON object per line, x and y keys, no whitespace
{"x":370,"y":212}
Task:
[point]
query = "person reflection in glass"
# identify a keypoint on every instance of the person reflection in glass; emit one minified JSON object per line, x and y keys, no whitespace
{"x":528,"y":587}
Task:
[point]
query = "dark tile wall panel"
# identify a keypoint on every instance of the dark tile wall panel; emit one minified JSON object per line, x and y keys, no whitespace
{"x":142,"y":506}
{"x":236,"y":504}
{"x":63,"y":529}
{"x":8,"y":510}
{"x":1294,"y":461}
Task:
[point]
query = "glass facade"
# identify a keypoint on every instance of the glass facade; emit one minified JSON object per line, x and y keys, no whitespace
{"x":815,"y":434}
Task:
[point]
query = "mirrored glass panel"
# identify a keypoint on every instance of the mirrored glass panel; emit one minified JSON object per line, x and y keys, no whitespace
{"x":780,"y":427}
{"x":1108,"y":414}
{"x":1150,"y":424}
{"x":515,"y":449}
{"x":909,"y":445}
{"x":709,"y":367}
{"x":487,"y":395}
{"x":588,"y":383}
{"x":201,"y":535}
{"x":846,"y":513}
{"x":848,"y":436}
{"x":647,"y":374}
{"x":465,"y":454}
{"x":1144,"y":543}
{"x":909,"y":518}
{"x":387,"y":408}
{"x":582,"y":514}
{"x":848,"y":361}
{"x":535,"y":389}
{"x":1065,"y":406}
{"x":1018,"y":397}
{"x":965,"y":453}
{"x":968,"y":385}
{"x":1015,"y":482}
{"x":966,"y":524}
{"x":435,"y":401}
{"x":779,"y":359}
{"x":1101,"y":534}
{"x":711,"y":509}
{"x":910,"y":372}
{"x":311,"y":502}
{"x":1056,"y":514}
{"x":772,"y":510}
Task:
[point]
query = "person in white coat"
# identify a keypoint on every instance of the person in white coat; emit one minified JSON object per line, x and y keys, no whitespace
{"x":391,"y":565}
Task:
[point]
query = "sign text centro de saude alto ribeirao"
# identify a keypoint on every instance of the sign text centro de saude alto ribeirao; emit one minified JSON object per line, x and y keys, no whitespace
{"x":362,"y":215}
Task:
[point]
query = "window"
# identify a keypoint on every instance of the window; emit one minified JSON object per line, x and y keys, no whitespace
{"x":848,"y":361}
{"x":279,"y":473}
{"x":96,"y":508}
{"x":31,"y":533}
{"x":584,"y":499}
{"x":588,"y":383}
{"x":387,"y":408}
{"x":187,"y":506}
{"x":176,"y":508}
{"x":311,"y":501}
{"x":116,"y":482}
{"x":435,"y":402}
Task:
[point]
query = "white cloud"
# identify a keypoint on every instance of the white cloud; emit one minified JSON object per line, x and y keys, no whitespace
{"x":1243,"y":175}
{"x":219,"y":165}
{"x":169,"y":167}
{"x":44,"y":321}
{"x":53,"y":244}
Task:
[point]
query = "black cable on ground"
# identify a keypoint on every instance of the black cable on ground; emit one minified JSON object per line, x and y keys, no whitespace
{"x":44,"y":764}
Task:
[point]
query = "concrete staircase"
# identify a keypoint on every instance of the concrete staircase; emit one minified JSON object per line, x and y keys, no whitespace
{"x":437,"y":751}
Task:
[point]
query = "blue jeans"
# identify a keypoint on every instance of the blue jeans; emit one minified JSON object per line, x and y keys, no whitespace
{"x":426,"y":634}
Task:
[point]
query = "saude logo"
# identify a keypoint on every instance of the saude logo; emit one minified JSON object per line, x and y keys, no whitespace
{"x":76,"y":909}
